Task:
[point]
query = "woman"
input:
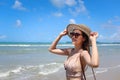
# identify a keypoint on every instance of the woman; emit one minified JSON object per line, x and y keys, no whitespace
{"x":79,"y":56}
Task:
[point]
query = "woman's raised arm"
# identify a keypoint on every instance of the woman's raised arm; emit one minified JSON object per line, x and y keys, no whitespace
{"x":53,"y":48}
{"x":92,"y":60}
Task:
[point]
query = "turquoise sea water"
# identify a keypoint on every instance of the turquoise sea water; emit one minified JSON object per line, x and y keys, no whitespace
{"x":33,"y":61}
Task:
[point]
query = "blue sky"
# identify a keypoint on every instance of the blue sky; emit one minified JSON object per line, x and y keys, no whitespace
{"x":43,"y":20}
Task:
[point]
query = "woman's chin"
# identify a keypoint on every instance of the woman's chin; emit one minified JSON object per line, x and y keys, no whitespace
{"x":73,"y":42}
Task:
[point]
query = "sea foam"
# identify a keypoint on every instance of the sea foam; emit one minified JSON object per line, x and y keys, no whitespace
{"x":50,"y":68}
{"x":43,"y":69}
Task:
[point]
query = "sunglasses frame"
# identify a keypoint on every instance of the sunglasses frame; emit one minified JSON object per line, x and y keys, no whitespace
{"x":75,"y":34}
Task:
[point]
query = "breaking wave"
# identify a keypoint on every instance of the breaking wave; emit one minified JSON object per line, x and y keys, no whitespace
{"x":44,"y":69}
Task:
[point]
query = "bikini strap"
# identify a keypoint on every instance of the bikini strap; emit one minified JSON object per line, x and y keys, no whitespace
{"x":82,"y":67}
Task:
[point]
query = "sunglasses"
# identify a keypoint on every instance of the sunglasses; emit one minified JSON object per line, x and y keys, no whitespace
{"x":74,"y":34}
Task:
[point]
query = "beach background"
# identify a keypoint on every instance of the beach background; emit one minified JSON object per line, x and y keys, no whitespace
{"x":28,"y":26}
{"x":33,"y":61}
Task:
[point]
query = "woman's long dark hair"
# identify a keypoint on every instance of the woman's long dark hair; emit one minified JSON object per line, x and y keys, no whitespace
{"x":86,"y":43}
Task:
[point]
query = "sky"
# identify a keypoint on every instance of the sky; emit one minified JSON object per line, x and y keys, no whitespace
{"x":43,"y":20}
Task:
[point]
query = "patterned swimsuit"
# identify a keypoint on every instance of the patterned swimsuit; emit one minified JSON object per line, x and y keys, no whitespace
{"x":73,"y":66}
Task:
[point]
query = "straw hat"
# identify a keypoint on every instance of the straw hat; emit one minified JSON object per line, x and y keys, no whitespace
{"x":81,"y":27}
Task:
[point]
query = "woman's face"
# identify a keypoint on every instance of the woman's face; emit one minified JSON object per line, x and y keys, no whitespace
{"x":77,"y":38}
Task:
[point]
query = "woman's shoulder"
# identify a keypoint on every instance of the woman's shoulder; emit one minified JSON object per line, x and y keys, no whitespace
{"x":84,"y":52}
{"x":69,"y":50}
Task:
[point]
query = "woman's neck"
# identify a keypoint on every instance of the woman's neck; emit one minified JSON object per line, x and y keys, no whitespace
{"x":78,"y":47}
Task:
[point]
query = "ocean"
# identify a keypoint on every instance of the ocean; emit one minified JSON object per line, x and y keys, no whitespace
{"x":33,"y":61}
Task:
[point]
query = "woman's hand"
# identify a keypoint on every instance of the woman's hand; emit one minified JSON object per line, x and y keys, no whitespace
{"x":63,"y":33}
{"x":93,"y":35}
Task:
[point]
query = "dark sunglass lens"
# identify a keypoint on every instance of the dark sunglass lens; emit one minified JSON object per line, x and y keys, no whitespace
{"x":71,"y":34}
{"x":74,"y":34}
{"x":77,"y":34}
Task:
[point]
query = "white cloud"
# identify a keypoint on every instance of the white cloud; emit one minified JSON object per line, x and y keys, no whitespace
{"x":115,"y":36}
{"x":18,"y":23}
{"x":72,"y":21}
{"x":58,"y":3}
{"x":112,"y":26}
{"x":75,"y":7}
{"x":101,"y":37}
{"x":80,"y":8}
{"x":62,"y":3}
{"x":2,"y":36}
{"x":18,"y":5}
{"x":108,"y":25}
{"x":116,"y":19}
{"x":58,"y":14}
{"x":70,"y":2}
{"x":109,"y":22}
